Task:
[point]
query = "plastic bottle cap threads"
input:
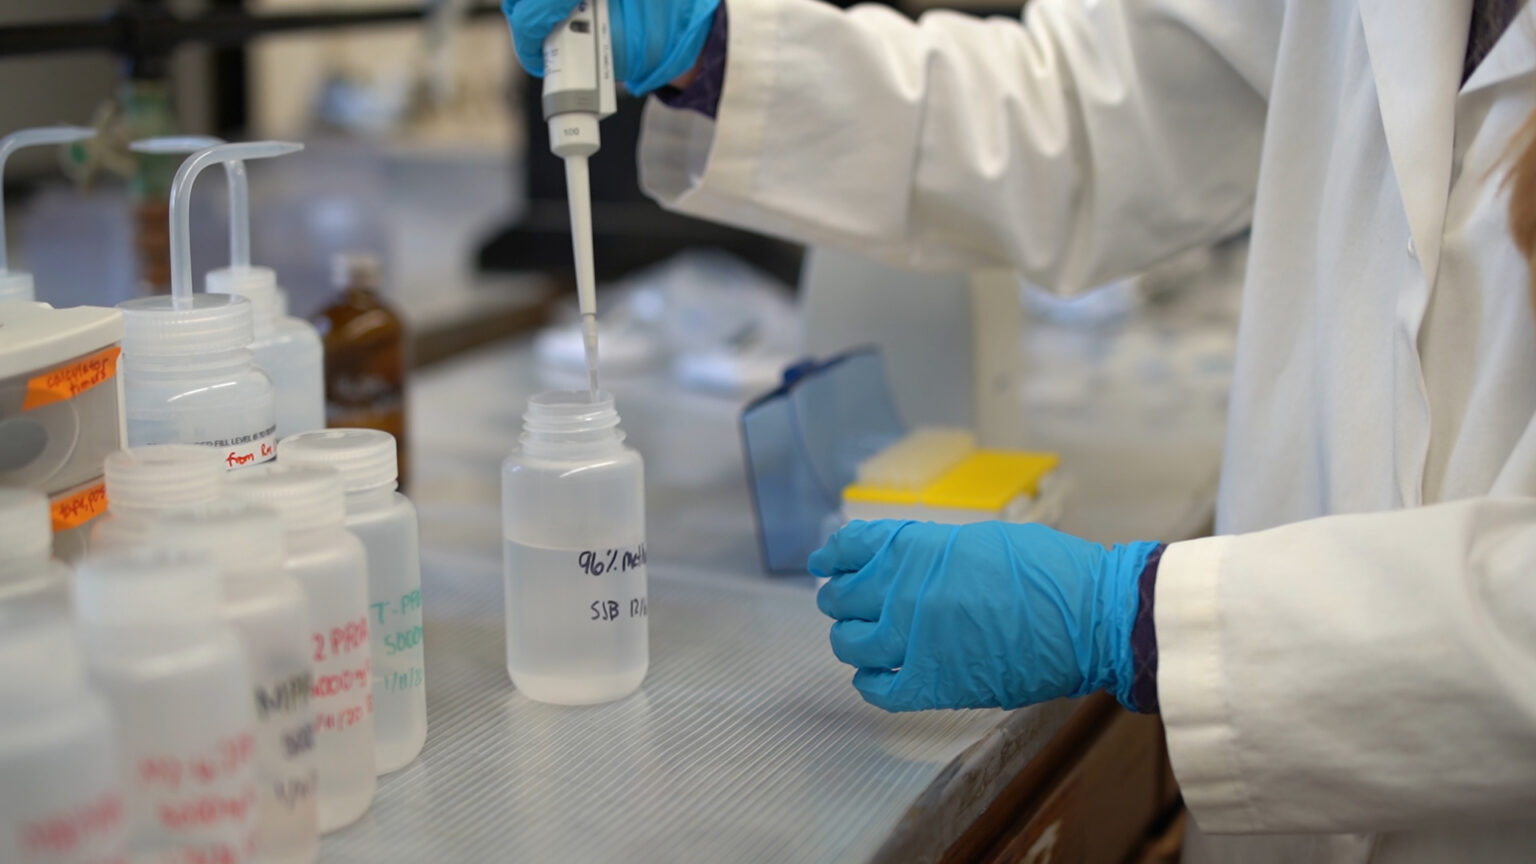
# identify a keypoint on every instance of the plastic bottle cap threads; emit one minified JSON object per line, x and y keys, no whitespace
{"x":571,"y":416}
{"x":210,"y":323}
{"x":235,"y":536}
{"x":307,"y":497}
{"x":365,"y":458}
{"x":159,"y":476}
{"x":256,"y":284}
{"x":147,"y":587}
{"x":26,"y":528}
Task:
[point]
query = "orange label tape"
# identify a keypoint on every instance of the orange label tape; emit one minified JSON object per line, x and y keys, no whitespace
{"x":74,"y":510}
{"x":71,"y":379}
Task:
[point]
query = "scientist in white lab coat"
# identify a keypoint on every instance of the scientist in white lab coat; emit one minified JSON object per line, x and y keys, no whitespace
{"x":1348,"y":672}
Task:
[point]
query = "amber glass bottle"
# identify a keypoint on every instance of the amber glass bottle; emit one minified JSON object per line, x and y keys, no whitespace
{"x":367,"y":354}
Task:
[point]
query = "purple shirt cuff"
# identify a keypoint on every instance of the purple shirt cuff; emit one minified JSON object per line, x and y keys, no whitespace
{"x":703,"y":95}
{"x":1144,"y":640}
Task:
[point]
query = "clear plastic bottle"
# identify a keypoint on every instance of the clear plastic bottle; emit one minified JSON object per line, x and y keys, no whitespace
{"x":266,"y":606}
{"x":61,"y":799}
{"x":189,"y":378}
{"x":175,"y":676}
{"x":27,"y":568}
{"x":386,"y":522}
{"x":573,"y":520}
{"x":144,"y":482}
{"x":330,"y":564}
{"x":288,"y":349}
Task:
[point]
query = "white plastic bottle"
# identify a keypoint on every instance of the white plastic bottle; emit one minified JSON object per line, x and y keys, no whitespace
{"x":61,"y":797}
{"x":27,"y":568}
{"x":14,"y":284}
{"x":573,"y":518}
{"x":146,"y":481}
{"x":330,"y":564}
{"x":386,"y":522}
{"x":286,"y":348}
{"x":266,"y":606}
{"x":175,"y":675}
{"x":188,"y":373}
{"x":189,"y":378}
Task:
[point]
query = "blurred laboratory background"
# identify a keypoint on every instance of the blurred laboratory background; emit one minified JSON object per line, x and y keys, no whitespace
{"x":417,"y":122}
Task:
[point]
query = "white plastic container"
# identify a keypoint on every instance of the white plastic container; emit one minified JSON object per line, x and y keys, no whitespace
{"x":61,"y":797}
{"x":27,"y":568}
{"x":61,"y":409}
{"x":329,"y":562}
{"x":189,"y":378}
{"x":266,"y":606}
{"x":286,"y":348}
{"x":145,"y":482}
{"x":573,"y":520}
{"x":175,"y":675}
{"x":386,"y":522}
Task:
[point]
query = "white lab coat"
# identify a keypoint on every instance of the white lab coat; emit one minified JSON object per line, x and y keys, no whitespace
{"x":1366,"y":680}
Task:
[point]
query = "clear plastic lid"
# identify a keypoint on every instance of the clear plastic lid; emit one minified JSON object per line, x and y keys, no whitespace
{"x":157,"y":477}
{"x":236,"y":536}
{"x":307,"y":497}
{"x":147,"y":587}
{"x":365,"y":458}
{"x":26,"y":529}
{"x":204,"y":324}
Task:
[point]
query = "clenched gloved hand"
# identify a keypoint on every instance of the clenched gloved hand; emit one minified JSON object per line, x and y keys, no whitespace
{"x":654,"y":41}
{"x":979,"y":616}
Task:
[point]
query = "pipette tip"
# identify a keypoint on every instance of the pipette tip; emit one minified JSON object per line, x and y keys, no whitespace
{"x":589,"y":342}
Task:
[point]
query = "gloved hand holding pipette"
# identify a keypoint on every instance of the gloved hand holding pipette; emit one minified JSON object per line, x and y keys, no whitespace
{"x":654,"y":41}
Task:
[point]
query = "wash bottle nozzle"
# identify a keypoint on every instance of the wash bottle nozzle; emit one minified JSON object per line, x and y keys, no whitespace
{"x":579,"y":91}
{"x":239,"y":188}
{"x":18,"y":286}
{"x":181,"y":203}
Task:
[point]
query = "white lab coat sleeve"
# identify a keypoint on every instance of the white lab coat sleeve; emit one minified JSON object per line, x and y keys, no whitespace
{"x":1083,"y":143}
{"x":1354,"y":673}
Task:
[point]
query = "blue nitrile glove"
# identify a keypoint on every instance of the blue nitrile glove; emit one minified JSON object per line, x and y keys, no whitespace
{"x":979,"y":616}
{"x":654,"y":41}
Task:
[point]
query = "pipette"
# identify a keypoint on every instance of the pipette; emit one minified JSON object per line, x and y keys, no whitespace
{"x":578,"y":92}
{"x":16,"y":285}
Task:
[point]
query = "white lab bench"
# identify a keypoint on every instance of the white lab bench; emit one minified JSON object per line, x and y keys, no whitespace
{"x":746,"y":742}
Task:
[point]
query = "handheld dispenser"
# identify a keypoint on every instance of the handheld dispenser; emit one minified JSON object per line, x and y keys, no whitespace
{"x":579,"y":91}
{"x":15,"y":285}
{"x":189,"y":375}
{"x":286,"y":348}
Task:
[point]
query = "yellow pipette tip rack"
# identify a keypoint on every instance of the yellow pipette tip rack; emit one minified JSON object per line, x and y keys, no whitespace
{"x":939,"y":475}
